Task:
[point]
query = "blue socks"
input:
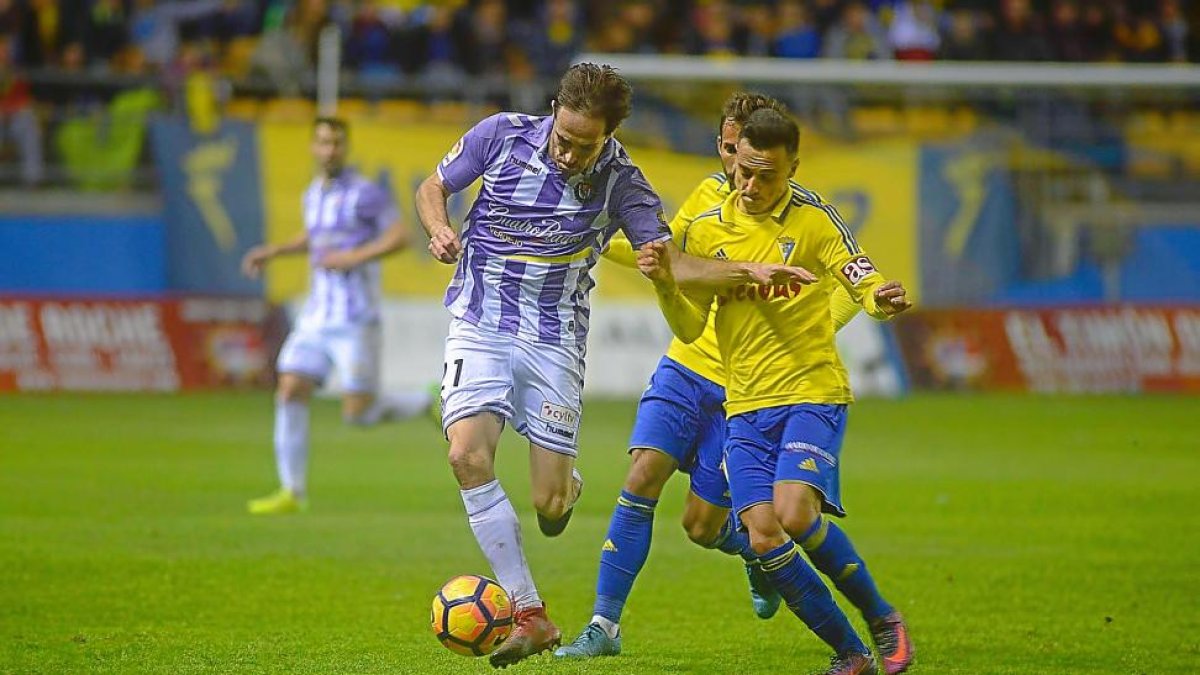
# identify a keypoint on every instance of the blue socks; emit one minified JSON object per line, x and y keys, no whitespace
{"x":830,"y":551}
{"x":809,"y":599}
{"x":625,"y":551}
{"x":733,"y":541}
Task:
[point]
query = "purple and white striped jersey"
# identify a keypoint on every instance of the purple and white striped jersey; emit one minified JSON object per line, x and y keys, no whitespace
{"x":532,"y":237}
{"x":340,"y":214}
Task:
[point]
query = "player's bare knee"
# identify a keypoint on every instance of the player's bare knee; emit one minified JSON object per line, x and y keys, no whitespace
{"x":648,"y":473}
{"x":292,"y":390}
{"x":469,"y":464}
{"x":700,"y":531}
{"x":799,"y":515}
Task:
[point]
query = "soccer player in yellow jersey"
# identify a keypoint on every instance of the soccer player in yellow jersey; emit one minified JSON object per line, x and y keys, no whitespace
{"x":680,"y":425}
{"x":786,"y":388}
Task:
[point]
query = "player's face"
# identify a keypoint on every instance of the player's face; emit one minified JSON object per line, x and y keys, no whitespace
{"x":762,"y":176}
{"x":727,"y":143}
{"x":576,"y":140}
{"x":329,"y":149}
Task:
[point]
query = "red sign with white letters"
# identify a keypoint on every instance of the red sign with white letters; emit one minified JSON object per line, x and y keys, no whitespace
{"x":1103,"y":349}
{"x":132,"y":345}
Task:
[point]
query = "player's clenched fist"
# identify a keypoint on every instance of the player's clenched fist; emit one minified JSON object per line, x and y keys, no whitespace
{"x":254,"y":260}
{"x":445,"y":245}
{"x":654,"y":263}
{"x":892,"y":297}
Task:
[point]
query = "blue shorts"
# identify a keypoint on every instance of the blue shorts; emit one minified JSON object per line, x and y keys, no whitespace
{"x":792,"y":443}
{"x":682,"y":415}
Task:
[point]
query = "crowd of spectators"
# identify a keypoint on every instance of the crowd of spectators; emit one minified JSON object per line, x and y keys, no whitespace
{"x":482,"y":37}
{"x":456,"y":44}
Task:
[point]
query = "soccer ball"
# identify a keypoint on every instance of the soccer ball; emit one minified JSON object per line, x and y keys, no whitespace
{"x":471,"y":615}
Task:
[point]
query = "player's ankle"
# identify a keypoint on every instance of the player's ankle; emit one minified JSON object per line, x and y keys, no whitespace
{"x":611,"y":628}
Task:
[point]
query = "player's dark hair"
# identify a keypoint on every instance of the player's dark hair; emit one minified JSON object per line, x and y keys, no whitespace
{"x":767,"y":128}
{"x":334,"y":123}
{"x":596,"y":91}
{"x":740,"y":105}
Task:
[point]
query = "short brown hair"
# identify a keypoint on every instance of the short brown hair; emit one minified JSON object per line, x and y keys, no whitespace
{"x":596,"y":91}
{"x":767,"y":128}
{"x":740,"y":105}
{"x":334,"y":123}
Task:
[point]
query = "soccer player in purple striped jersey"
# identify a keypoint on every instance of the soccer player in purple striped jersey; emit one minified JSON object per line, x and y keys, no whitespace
{"x":350,"y":222}
{"x":555,"y":189}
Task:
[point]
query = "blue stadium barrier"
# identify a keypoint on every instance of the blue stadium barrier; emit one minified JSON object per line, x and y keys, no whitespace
{"x":83,"y":254}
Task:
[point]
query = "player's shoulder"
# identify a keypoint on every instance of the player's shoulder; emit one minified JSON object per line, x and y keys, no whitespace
{"x":810,"y":206}
{"x":714,"y":185}
{"x":503,"y":124}
{"x":616,"y":156}
{"x":802,"y":196}
{"x":706,"y":194}
{"x":705,"y":229}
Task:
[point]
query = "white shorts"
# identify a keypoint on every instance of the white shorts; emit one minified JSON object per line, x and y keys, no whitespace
{"x":538,"y":387}
{"x":352,"y":348}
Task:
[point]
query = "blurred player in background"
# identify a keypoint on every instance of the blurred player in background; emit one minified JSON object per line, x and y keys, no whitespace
{"x":349,"y":224}
{"x":554,"y":191}
{"x":787,"y":390}
{"x":680,"y":425}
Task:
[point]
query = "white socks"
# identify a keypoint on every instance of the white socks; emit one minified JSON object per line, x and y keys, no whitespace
{"x":498,"y":532}
{"x":610,"y":628}
{"x":291,"y":445}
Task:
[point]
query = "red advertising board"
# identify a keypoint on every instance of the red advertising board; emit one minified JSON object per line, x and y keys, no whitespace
{"x":132,"y":345}
{"x":1109,"y":349}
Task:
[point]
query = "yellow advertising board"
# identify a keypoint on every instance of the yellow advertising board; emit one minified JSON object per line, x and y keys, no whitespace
{"x":873,"y":185}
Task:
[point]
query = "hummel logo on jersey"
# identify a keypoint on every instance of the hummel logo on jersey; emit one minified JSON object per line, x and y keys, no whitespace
{"x":721,"y":254}
{"x":809,"y":464}
{"x":535,"y":170}
{"x":786,"y":246}
{"x":609,"y":546}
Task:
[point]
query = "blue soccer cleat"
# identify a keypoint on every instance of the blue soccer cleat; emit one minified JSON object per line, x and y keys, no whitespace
{"x":592,"y":642}
{"x":762,"y":593}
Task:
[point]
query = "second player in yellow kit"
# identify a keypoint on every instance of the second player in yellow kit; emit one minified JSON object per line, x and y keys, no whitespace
{"x":787,"y":390}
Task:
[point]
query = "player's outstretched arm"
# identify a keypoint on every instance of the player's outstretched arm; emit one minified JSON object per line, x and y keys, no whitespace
{"x":394,"y":238}
{"x":850,"y":265}
{"x":431,"y":198}
{"x":842,"y":307}
{"x":686,"y":313}
{"x":257,"y":257}
{"x":691,"y":272}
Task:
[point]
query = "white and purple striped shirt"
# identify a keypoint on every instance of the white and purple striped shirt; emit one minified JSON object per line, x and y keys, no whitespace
{"x":532,"y":236}
{"x":339,"y":214}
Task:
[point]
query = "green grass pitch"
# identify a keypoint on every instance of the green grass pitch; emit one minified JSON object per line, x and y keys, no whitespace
{"x":1018,"y":534}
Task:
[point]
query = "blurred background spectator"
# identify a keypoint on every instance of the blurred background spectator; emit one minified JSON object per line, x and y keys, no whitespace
{"x":18,"y":123}
{"x":857,"y":35}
